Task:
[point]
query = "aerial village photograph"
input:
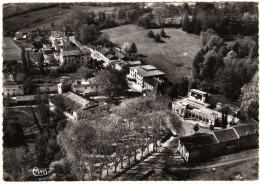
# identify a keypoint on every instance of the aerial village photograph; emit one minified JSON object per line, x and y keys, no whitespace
{"x":130,"y":91}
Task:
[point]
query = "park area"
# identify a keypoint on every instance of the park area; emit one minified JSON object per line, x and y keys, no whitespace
{"x":44,"y":17}
{"x":174,"y":57}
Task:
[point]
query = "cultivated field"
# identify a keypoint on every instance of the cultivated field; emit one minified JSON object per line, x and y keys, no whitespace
{"x":56,"y":15}
{"x":174,"y":57}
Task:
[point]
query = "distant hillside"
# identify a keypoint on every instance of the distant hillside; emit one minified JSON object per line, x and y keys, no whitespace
{"x":14,"y":9}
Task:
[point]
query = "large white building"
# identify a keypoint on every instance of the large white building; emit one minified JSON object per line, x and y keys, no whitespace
{"x":194,"y":106}
{"x":145,"y":77}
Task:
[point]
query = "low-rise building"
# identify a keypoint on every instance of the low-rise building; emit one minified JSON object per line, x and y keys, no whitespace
{"x":201,"y":147}
{"x":48,"y":56}
{"x":87,"y":87}
{"x":13,"y":90}
{"x":194,"y":106}
{"x":74,"y":104}
{"x":50,"y":88}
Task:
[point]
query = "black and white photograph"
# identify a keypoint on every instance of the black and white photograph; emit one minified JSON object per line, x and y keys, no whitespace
{"x":130,"y":91}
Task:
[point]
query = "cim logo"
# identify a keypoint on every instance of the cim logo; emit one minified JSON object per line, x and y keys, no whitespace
{"x":40,"y":171}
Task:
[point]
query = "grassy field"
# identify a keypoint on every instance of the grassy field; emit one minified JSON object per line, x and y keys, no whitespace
{"x":174,"y":57}
{"x":56,"y":15}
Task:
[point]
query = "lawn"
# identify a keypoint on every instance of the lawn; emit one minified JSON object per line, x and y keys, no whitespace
{"x":174,"y":57}
{"x":56,"y":15}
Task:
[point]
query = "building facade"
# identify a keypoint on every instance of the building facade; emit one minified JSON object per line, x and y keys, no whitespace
{"x":146,"y":77}
{"x":72,"y":56}
{"x":194,"y":107}
{"x":13,"y":90}
{"x":202,"y":147}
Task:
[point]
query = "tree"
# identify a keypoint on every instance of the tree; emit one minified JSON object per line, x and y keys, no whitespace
{"x":254,"y":51}
{"x":78,"y":142}
{"x":88,"y":34}
{"x":16,"y":163}
{"x":196,"y":128}
{"x":162,"y":33}
{"x":41,"y":153}
{"x":90,"y":17}
{"x":13,"y":134}
{"x":198,"y":60}
{"x":102,"y":16}
{"x":145,"y":21}
{"x":224,"y":118}
{"x":43,"y":112}
{"x":183,"y":86}
{"x":250,"y":99}
{"x":41,"y":62}
{"x":186,"y":23}
{"x":133,"y":48}
{"x":211,"y":64}
{"x":113,"y":81}
{"x":157,"y":38}
{"x":150,"y":34}
{"x":160,"y":14}
{"x":29,"y":86}
{"x":84,"y":72}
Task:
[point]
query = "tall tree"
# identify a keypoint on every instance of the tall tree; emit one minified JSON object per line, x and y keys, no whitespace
{"x":186,"y":23}
{"x":133,"y":49}
{"x":41,"y":62}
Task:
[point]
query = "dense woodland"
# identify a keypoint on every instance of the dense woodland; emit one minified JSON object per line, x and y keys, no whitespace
{"x":227,"y":64}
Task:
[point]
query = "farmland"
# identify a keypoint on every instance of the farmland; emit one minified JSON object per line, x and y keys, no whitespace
{"x":45,"y":17}
{"x":174,"y":57}
{"x":11,"y":51}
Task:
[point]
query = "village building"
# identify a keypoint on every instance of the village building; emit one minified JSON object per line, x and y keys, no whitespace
{"x":194,"y":107}
{"x":201,"y":147}
{"x":50,"y":88}
{"x":20,"y":35}
{"x":73,"y":55}
{"x":57,"y":33}
{"x":48,"y":56}
{"x":118,"y":65}
{"x":60,"y":43}
{"x":87,"y":87}
{"x":146,"y":77}
{"x":12,"y":90}
{"x":22,"y":100}
{"x":74,"y":104}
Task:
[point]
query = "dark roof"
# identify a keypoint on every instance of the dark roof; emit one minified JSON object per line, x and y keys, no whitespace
{"x":110,"y":56}
{"x":152,"y":81}
{"x":148,"y":70}
{"x":119,"y":55}
{"x":225,"y":135}
{"x":246,"y":129}
{"x":198,"y":140}
{"x":104,"y":50}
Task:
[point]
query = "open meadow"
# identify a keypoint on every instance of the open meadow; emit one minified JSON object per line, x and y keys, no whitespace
{"x":174,"y":56}
{"x":45,"y":17}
